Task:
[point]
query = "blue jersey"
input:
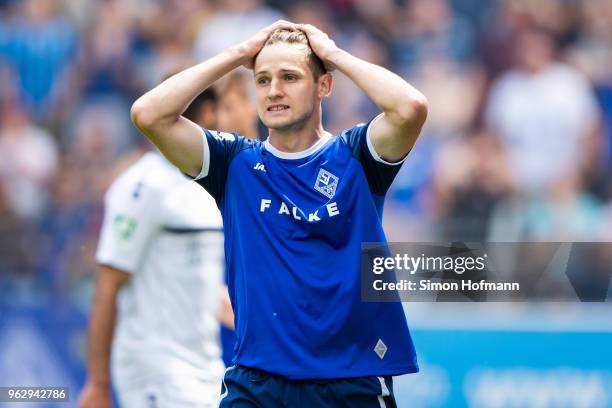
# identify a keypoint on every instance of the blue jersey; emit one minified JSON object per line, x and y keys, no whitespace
{"x":294,"y":224}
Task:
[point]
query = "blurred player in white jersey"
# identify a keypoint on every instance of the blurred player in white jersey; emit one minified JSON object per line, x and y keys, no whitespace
{"x":160,"y":292}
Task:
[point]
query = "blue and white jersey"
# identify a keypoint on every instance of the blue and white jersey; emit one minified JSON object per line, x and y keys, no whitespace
{"x":294,"y":224}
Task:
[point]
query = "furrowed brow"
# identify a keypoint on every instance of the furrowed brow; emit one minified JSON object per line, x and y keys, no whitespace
{"x":292,"y":71}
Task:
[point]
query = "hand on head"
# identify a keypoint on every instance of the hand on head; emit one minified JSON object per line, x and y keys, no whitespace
{"x":253,"y":45}
{"x":323,"y":46}
{"x":320,"y":43}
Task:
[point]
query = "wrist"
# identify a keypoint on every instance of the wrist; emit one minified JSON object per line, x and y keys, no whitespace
{"x":239,"y":54}
{"x":335,"y":58}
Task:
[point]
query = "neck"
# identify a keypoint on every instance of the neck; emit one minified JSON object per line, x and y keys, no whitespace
{"x":299,"y":137}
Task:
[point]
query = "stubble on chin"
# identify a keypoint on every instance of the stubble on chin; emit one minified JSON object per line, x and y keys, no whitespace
{"x":290,"y":125}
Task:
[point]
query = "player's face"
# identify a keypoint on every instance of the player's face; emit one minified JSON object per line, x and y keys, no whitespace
{"x":286,"y":90}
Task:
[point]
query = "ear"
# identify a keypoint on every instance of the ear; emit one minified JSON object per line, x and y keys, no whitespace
{"x":325,"y":84}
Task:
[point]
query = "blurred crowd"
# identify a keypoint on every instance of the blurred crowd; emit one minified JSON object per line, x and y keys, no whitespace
{"x":517,"y":146}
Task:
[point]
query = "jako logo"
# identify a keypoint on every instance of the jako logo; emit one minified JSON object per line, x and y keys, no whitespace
{"x":259,"y":166}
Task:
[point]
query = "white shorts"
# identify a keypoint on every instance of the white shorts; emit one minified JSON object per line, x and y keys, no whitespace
{"x":175,"y":394}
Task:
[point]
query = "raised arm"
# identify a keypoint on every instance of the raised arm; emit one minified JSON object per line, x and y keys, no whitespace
{"x":404,"y":108}
{"x":157,"y":114}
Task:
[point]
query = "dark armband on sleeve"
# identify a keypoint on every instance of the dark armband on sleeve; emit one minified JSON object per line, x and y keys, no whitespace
{"x":379,"y":173}
{"x":219,"y":150}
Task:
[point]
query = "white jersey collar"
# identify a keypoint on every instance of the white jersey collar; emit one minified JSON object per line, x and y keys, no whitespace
{"x":298,"y":155}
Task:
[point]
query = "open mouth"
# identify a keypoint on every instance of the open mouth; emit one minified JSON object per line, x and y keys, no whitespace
{"x":277,"y":108}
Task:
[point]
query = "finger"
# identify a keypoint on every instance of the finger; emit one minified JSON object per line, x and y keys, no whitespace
{"x":278,"y":25}
{"x":277,"y":22}
{"x":268,"y":31}
{"x":303,"y":27}
{"x":283,"y":24}
{"x":312,"y":28}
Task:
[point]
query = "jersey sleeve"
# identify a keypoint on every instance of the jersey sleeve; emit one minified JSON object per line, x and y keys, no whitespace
{"x":131,"y":218}
{"x":379,"y":173}
{"x":220,"y":148}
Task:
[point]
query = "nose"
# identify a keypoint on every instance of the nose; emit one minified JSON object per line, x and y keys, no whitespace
{"x":275,"y":90}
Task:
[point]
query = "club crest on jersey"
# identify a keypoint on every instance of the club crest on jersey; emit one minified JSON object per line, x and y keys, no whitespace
{"x":326,"y":183}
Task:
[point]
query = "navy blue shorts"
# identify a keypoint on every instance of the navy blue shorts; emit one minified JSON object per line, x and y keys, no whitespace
{"x":245,"y":387}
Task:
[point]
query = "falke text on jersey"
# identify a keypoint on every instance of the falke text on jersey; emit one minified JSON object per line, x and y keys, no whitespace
{"x":282,"y":209}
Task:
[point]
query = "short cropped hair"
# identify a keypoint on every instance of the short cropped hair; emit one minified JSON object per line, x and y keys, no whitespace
{"x":298,"y":37}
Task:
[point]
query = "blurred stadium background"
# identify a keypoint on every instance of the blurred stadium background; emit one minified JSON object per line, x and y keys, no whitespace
{"x":518,"y":147}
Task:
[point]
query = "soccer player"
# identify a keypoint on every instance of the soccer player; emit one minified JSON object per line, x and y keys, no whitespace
{"x":296,"y":209}
{"x":159,"y":288}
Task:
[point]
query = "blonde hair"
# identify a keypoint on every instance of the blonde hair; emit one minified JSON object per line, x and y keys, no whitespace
{"x":298,"y":37}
